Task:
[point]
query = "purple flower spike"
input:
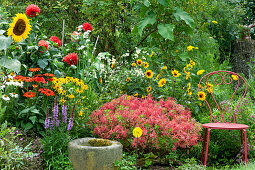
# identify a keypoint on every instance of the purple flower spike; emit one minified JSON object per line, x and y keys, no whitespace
{"x":70,"y":124}
{"x":47,"y":120}
{"x":64,"y":113}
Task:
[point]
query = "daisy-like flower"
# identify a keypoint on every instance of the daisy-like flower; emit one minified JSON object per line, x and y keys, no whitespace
{"x":190,"y":48}
{"x":128,"y":79}
{"x":5,"y":97}
{"x":33,"y":69}
{"x":200,"y":72}
{"x":192,"y":62}
{"x":55,"y":39}
{"x":187,"y":75}
{"x":43,"y":43}
{"x":149,"y":74}
{"x":158,"y":76}
{"x":19,"y":28}
{"x":139,"y":62}
{"x":201,"y":95}
{"x":86,"y":26}
{"x":29,"y":94}
{"x":39,"y":79}
{"x":234,"y":77}
{"x":146,"y":65}
{"x":32,"y":10}
{"x":71,"y":58}
{"x":209,"y":88}
{"x":71,"y":96}
{"x":176,"y":73}
{"x":149,"y":89}
{"x":133,"y":64}
{"x":162,"y":82}
{"x":164,"y":68}
{"x":14,"y":95}
{"x":189,"y":66}
{"x":189,"y":92}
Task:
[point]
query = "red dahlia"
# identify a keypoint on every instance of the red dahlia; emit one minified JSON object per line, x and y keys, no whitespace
{"x":71,"y":58}
{"x":56,"y":40}
{"x":43,"y":43}
{"x":86,"y":26}
{"x":32,"y":10}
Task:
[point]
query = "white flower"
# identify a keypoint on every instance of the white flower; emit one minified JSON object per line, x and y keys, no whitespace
{"x":5,"y":97}
{"x":2,"y":87}
{"x":14,"y":95}
{"x":79,"y":28}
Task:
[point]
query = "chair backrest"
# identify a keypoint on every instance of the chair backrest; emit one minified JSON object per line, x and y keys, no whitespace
{"x":220,"y":78}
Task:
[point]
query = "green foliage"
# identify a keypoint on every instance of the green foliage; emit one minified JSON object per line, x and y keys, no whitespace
{"x":128,"y":162}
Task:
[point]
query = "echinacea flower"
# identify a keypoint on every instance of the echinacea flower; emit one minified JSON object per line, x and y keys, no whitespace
{"x":71,"y":59}
{"x":32,"y":10}
{"x":162,"y":82}
{"x":43,"y":43}
{"x":19,"y":28}
{"x":29,"y":94}
{"x":176,"y":73}
{"x":5,"y":97}
{"x":139,"y":62}
{"x":14,"y":95}
{"x":201,"y":95}
{"x":86,"y":26}
{"x":200,"y":72}
{"x":55,"y":39}
{"x":149,"y":74}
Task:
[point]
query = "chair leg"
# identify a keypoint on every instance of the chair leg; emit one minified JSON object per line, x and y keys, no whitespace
{"x":202,"y":156}
{"x":245,"y":145}
{"x":242,"y":141}
{"x":207,"y":145}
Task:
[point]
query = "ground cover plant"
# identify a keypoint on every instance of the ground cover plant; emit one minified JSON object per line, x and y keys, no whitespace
{"x":113,"y":66}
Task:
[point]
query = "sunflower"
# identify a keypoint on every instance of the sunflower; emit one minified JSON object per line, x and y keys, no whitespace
{"x":146,"y":65}
{"x":149,"y":74}
{"x":139,"y":62}
{"x":201,"y":95}
{"x":20,"y":28}
{"x":149,"y":89}
{"x":162,"y":82}
{"x":176,"y":73}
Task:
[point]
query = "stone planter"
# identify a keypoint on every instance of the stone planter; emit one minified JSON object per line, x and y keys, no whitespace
{"x":86,"y":157}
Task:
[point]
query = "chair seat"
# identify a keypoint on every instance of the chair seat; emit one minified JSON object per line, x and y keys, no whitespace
{"x":228,"y":126}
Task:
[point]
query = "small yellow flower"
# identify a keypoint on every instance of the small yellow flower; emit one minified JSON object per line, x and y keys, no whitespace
{"x":162,"y":82}
{"x":133,"y":64}
{"x":139,"y":62}
{"x":200,"y":72}
{"x":128,"y":79}
{"x":164,"y":68}
{"x":152,"y":54}
{"x":176,"y":73}
{"x":196,"y":48}
{"x":12,"y":73}
{"x":189,"y":66}
{"x":189,"y":92}
{"x":176,"y":51}
{"x":62,"y":100}
{"x":149,"y":89}
{"x":189,"y":85}
{"x":209,"y":87}
{"x":112,"y":66}
{"x":71,"y":96}
{"x":80,"y":113}
{"x":201,"y":95}
{"x":215,"y":22}
{"x":187,"y":75}
{"x":146,"y":65}
{"x":184,"y":70}
{"x":234,"y":77}
{"x":136,"y":94}
{"x":149,"y":74}
{"x":158,"y":76}
{"x":200,"y":104}
{"x":190,"y":48}
{"x":192,"y":62}
{"x":137,"y":132}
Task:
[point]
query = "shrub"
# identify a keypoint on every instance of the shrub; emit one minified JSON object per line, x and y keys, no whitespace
{"x":165,"y":124}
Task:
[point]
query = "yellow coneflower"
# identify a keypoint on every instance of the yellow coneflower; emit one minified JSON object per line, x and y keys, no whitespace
{"x":133,"y":64}
{"x":192,"y":62}
{"x":139,"y":62}
{"x":158,"y":76}
{"x":128,"y":79}
{"x":189,"y":66}
{"x":149,"y":89}
{"x":189,"y":92}
{"x":201,"y":95}
{"x":234,"y":77}
{"x":71,"y":96}
{"x":149,"y":74}
{"x":200,"y":72}
{"x":162,"y":82}
{"x":187,"y":75}
{"x":146,"y":65}
{"x":176,"y":73}
{"x":19,"y":28}
{"x":209,"y":87}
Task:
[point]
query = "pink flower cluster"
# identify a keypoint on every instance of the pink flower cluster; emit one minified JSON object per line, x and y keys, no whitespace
{"x":165,"y":124}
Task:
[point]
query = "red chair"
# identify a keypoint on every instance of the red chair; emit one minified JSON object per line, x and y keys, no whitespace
{"x":220,"y":78}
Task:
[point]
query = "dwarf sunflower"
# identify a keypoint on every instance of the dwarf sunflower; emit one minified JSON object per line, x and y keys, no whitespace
{"x":149,"y":89}
{"x":139,"y":62}
{"x":20,"y":28}
{"x":149,"y":74}
{"x":146,"y":65}
{"x":162,"y":82}
{"x":201,"y":95}
{"x":176,"y":73}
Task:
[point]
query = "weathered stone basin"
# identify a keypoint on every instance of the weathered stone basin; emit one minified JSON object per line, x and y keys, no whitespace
{"x":86,"y":157}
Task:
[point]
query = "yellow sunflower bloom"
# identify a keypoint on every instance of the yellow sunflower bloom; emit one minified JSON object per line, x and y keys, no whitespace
{"x":209,"y":87}
{"x":139,"y":62}
{"x":176,"y":73}
{"x":162,"y":82}
{"x":146,"y":65}
{"x":19,"y":28}
{"x":201,"y":95}
{"x":149,"y":89}
{"x":200,"y":72}
{"x":149,"y":74}
{"x":189,"y":66}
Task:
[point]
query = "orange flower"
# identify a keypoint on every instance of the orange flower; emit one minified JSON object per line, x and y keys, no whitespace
{"x":29,"y":94}
{"x":35,"y":85}
{"x":27,"y":79}
{"x":49,"y":75}
{"x":34,"y":69}
{"x":40,"y":79}
{"x":46,"y":92}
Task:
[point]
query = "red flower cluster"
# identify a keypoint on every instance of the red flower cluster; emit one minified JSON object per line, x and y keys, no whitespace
{"x":43,"y":43}
{"x":29,"y":94}
{"x":39,"y":79}
{"x":165,"y":124}
{"x":34,"y":69}
{"x":86,"y":26}
{"x":56,"y":40}
{"x":46,"y":91}
{"x":32,"y":10}
{"x":71,"y":58}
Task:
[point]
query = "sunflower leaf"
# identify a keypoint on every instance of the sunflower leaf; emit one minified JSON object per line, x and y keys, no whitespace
{"x":12,"y":64}
{"x":5,"y":42}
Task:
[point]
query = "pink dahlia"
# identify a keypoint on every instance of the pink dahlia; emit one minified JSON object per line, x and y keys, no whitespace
{"x":56,"y":40}
{"x":86,"y":26}
{"x":43,"y":43}
{"x":32,"y":10}
{"x":71,"y":58}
